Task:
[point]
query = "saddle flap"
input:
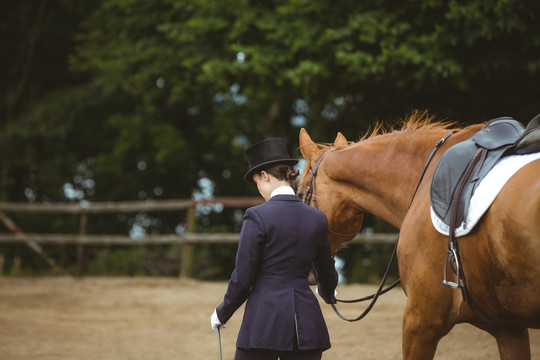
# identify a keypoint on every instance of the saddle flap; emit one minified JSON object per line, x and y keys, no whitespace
{"x":447,"y":174}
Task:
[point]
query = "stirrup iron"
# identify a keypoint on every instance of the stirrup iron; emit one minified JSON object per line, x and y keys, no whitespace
{"x":451,"y":260}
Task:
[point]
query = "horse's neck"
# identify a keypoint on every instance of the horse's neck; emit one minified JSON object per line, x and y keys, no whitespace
{"x":383,"y":172}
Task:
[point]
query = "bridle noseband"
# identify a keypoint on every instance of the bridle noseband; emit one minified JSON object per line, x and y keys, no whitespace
{"x":310,"y":193}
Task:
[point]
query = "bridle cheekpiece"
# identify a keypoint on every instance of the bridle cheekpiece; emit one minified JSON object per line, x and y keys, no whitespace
{"x":310,"y":193}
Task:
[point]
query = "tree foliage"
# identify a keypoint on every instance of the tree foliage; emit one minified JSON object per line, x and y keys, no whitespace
{"x":135,"y":99}
{"x":183,"y":86}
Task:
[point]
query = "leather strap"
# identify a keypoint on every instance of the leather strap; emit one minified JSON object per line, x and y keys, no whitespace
{"x":311,"y":189}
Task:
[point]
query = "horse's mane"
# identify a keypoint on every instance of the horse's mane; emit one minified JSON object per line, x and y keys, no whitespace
{"x":416,"y":120}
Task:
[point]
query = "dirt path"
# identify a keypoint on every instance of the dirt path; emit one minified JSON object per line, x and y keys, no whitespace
{"x":149,"y":318}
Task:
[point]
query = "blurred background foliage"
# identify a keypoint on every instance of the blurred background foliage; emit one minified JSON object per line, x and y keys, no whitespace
{"x":133,"y":99}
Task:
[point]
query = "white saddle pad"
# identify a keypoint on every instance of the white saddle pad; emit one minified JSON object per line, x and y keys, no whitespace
{"x":486,"y":192}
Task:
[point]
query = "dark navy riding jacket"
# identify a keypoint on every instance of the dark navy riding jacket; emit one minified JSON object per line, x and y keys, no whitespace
{"x":279,"y":242}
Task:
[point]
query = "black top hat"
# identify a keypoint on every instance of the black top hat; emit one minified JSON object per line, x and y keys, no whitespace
{"x":265,"y":153}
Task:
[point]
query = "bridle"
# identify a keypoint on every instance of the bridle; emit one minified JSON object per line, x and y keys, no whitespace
{"x":310,"y":194}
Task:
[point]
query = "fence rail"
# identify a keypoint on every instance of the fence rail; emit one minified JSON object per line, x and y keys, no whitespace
{"x":85,"y":208}
{"x":166,"y":239}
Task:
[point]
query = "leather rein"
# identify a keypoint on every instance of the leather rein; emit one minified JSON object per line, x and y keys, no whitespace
{"x":310,"y":195}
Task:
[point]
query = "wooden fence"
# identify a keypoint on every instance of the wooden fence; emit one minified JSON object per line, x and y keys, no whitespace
{"x":84,"y":209}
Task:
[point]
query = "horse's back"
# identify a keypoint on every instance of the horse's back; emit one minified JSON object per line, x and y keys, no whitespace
{"x":518,"y":205}
{"x":502,"y":255}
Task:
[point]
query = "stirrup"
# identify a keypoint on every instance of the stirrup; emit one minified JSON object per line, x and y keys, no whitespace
{"x":451,"y":256}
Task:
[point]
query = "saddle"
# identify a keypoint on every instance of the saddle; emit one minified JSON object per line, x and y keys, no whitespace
{"x":529,"y":142}
{"x":459,"y":172}
{"x":464,"y":165}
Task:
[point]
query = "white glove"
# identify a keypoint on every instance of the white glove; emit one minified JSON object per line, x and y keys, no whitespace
{"x":214,"y":321}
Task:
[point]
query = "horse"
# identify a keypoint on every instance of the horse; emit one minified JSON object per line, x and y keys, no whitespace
{"x":501,"y":256}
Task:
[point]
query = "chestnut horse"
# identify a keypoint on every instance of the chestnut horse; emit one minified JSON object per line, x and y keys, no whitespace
{"x":501,"y":256}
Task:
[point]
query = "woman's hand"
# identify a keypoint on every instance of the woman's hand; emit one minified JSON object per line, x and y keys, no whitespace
{"x":214,"y":321}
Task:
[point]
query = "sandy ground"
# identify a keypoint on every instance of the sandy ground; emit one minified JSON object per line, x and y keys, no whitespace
{"x":149,"y":318}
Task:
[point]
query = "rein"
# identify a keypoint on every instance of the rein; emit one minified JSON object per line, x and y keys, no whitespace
{"x":381,"y":290}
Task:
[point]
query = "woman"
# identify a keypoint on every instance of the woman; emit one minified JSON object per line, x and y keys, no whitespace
{"x":279,"y":242}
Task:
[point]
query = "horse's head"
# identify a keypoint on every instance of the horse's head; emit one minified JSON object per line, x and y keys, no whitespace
{"x":322,"y":191}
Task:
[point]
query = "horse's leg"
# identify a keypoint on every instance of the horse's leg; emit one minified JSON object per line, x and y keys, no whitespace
{"x":425,"y":322}
{"x":431,"y":310}
{"x":512,"y":341}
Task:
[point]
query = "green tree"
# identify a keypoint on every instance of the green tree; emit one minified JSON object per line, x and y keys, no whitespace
{"x":179,"y":88}
{"x":134,"y":99}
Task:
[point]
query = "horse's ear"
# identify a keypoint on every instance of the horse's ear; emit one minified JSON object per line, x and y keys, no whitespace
{"x":308,"y":148}
{"x":340,"y":141}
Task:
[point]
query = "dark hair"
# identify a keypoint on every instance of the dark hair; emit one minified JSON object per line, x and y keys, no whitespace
{"x":283,"y":172}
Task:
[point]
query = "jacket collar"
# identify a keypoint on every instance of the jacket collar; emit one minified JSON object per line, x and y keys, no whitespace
{"x":282,"y":190}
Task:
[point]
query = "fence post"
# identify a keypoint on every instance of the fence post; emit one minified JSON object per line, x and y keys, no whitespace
{"x":17,"y":265}
{"x":186,"y":257}
{"x":10,"y":224}
{"x":81,"y":260}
